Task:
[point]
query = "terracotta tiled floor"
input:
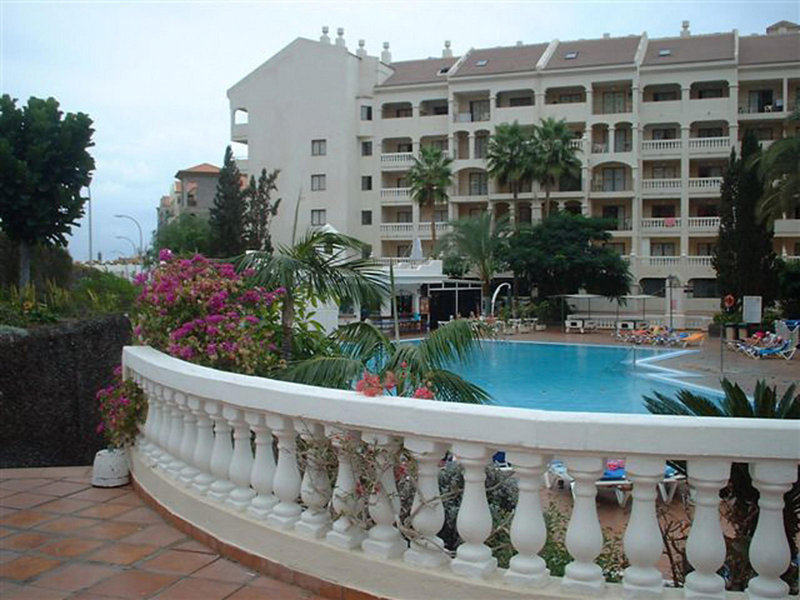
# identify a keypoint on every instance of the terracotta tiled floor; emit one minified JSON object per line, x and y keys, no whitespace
{"x":61,"y":538}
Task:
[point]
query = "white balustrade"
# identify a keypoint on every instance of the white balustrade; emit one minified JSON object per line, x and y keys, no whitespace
{"x":710,"y":143}
{"x":286,"y":484}
{"x":383,"y":539}
{"x":528,"y":531}
{"x":584,"y":537}
{"x":183,"y":403}
{"x":397,"y":158}
{"x":661,"y":185}
{"x":345,"y":532}
{"x":315,"y":487}
{"x":660,"y":223}
{"x":696,"y":223}
{"x":263,"y":471}
{"x":642,"y":541}
{"x":396,"y":193}
{"x":705,"y":548}
{"x":661,"y":145}
{"x":769,"y":548}
{"x":705,"y":184}
{"x":473,"y":557}
{"x":241,"y":460}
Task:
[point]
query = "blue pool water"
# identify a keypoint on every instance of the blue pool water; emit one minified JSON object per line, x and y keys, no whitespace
{"x":569,"y":377}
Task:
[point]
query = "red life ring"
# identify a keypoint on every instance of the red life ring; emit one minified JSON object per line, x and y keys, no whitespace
{"x":729,"y":301}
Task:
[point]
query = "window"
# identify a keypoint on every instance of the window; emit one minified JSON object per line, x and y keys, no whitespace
{"x":663,"y":211}
{"x":440,"y":109}
{"x":405,"y":147}
{"x":613,"y":179}
{"x":366,"y":183}
{"x":705,"y":248}
{"x":662,"y":249}
{"x":481,"y":63}
{"x":404,"y":216}
{"x":443,"y":71}
{"x":614,"y":102}
{"x":366,"y":217}
{"x":318,"y":217}
{"x":479,"y":109}
{"x":440,"y":215}
{"x":520,"y":101}
{"x":478,"y":184}
{"x":665,"y":52}
{"x":366,"y":113}
{"x":704,"y":288}
{"x":439,"y":145}
{"x":571,"y":55}
{"x":366,"y":148}
{"x":622,"y":140}
{"x":317,"y":183}
{"x":402,"y":112}
{"x":403,"y":250}
{"x":665,"y":134}
{"x":401,"y":182}
{"x":709,"y":171}
{"x":481,"y":146}
{"x":664,"y":96}
{"x":570,"y":98}
{"x":709,"y":132}
{"x":710,"y":93}
{"x":664,"y":173}
{"x":318,"y":147}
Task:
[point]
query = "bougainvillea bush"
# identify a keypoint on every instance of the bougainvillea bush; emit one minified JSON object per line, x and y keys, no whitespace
{"x":123,"y":408}
{"x":207,"y":313}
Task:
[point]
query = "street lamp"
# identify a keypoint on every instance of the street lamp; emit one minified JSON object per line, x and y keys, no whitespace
{"x":141,"y":237}
{"x":129,"y":240}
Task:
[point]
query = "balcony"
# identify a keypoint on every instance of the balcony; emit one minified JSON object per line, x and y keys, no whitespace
{"x":705,"y":185}
{"x":424,"y":229}
{"x":289,"y":515}
{"x":471,"y":117}
{"x":657,"y":187}
{"x":239,"y":133}
{"x":661,"y":147}
{"x":703,"y":224}
{"x":660,"y":224}
{"x":397,"y":231}
{"x":787,"y":227}
{"x":599,"y":147}
{"x":395,"y":195}
{"x":397,"y":161}
{"x":710,"y":145}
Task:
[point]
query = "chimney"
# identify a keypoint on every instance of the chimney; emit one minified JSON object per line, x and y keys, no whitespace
{"x":386,"y":56}
{"x":324,"y":37}
{"x":447,"y":52}
{"x":339,"y":37}
{"x":361,"y":52}
{"x":685,"y":29}
{"x":606,"y":36}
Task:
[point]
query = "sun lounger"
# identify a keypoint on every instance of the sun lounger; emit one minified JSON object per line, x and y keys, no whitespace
{"x":573,"y":325}
{"x":695,"y":339}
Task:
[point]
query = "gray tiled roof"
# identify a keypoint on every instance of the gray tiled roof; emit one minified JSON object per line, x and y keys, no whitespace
{"x":594,"y":53}
{"x":759,"y":49}
{"x":510,"y":59}
{"x":700,"y":48}
{"x":418,"y":71}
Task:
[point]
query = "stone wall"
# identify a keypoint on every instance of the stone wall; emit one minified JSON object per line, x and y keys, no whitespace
{"x":48,"y":379}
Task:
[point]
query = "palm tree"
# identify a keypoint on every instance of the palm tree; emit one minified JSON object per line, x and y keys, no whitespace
{"x":322,"y":266}
{"x":779,"y":165}
{"x":743,"y":497}
{"x":553,"y":156}
{"x":429,"y":179}
{"x":479,"y":245}
{"x":363,"y":347}
{"x":508,"y":159}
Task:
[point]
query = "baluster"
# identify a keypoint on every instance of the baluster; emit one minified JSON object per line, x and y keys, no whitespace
{"x":315,"y":488}
{"x":705,"y":548}
{"x":241,"y":461}
{"x":345,"y":532}
{"x":473,"y":557}
{"x":221,"y":455}
{"x":528,"y":530}
{"x":263,"y":471}
{"x":157,"y":401}
{"x":769,"y":548}
{"x":383,"y":539}
{"x":188,"y":443}
{"x":427,"y":513}
{"x":584,"y":537}
{"x":168,"y":429}
{"x":146,"y":438}
{"x":286,"y":485}
{"x":205,"y":443}
{"x":642,"y":541}
{"x":177,"y":465}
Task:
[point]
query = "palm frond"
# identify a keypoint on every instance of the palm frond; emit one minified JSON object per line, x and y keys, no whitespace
{"x":685,"y":403}
{"x":325,"y":371}
{"x":455,"y":341}
{"x":789,"y":404}
{"x":363,"y":341}
{"x":449,"y":387}
{"x":735,"y":402}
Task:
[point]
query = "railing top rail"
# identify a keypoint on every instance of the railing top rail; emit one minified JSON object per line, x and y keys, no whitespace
{"x":503,"y":428}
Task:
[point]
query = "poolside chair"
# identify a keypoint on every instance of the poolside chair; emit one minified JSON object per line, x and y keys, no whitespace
{"x":573,"y":324}
{"x":693,"y":339}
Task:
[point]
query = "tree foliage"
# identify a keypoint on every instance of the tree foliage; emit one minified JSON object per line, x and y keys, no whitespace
{"x":44,"y":164}
{"x":779,"y":166}
{"x":226,"y":218}
{"x":563,"y":254}
{"x":553,"y":156}
{"x":259,"y":210}
{"x":743,"y":258}
{"x":429,"y":177}
{"x":509,"y":159}
{"x":789,"y":288}
{"x":188,"y":234}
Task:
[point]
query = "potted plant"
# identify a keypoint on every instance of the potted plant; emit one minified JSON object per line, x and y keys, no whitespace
{"x":123,"y":409}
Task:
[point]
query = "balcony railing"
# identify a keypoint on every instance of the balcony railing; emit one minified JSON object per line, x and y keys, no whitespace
{"x":576,"y":144}
{"x":196,"y":459}
{"x":397,"y":230}
{"x":699,"y":261}
{"x":424,"y":228}
{"x":599,"y":147}
{"x":471,"y":117}
{"x":397,"y":159}
{"x":402,"y":193}
{"x":661,"y":185}
{"x":710,"y":143}
{"x":705,"y":184}
{"x":661,"y":145}
{"x":660,"y":223}
{"x":703,"y":223}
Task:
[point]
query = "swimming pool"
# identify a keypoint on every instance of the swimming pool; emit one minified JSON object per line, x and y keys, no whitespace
{"x":571,"y":377}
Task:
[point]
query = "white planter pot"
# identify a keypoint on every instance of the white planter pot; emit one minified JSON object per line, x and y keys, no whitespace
{"x":110,"y":468}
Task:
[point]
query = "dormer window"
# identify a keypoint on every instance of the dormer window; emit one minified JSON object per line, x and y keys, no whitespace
{"x":443,"y":71}
{"x":571,"y":55}
{"x":665,"y":52}
{"x":481,"y":63}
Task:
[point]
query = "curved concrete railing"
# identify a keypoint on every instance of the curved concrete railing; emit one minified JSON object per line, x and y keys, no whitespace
{"x":216,"y":478}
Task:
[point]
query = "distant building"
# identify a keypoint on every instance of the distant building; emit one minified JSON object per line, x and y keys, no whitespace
{"x":192,"y":192}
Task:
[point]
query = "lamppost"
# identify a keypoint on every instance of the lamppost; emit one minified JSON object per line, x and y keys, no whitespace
{"x":141,"y":237}
{"x":129,"y":240}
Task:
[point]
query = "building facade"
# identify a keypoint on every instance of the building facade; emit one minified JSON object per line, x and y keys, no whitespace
{"x":654,"y":122}
{"x":192,"y":193}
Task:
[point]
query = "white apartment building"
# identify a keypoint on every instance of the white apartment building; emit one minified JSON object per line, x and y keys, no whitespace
{"x":654,"y":119}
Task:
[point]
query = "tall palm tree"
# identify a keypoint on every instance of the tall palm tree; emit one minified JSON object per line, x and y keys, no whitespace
{"x":480,"y":246}
{"x":322,"y":266}
{"x":508,"y":159}
{"x":766,"y":404}
{"x":779,"y":165}
{"x":552,"y":155}
{"x":363,"y":347}
{"x":429,"y":179}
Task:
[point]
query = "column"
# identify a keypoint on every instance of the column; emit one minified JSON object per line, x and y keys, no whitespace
{"x":470,"y":146}
{"x":286,"y":485}
{"x":315,"y":488}
{"x":733,"y":91}
{"x":241,"y":461}
{"x":383,"y":539}
{"x":785,"y":93}
{"x":221,"y":453}
{"x":201,"y":455}
{"x":584,"y":537}
{"x":427,"y":514}
{"x":612,"y":132}
{"x":685,"y":173}
{"x":528,"y":531}
{"x":642,"y":541}
{"x":263,"y":471}
{"x":705,"y":548}
{"x":346,"y":532}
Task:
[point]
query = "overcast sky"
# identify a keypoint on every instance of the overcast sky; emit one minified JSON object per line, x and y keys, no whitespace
{"x":153,"y":75}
